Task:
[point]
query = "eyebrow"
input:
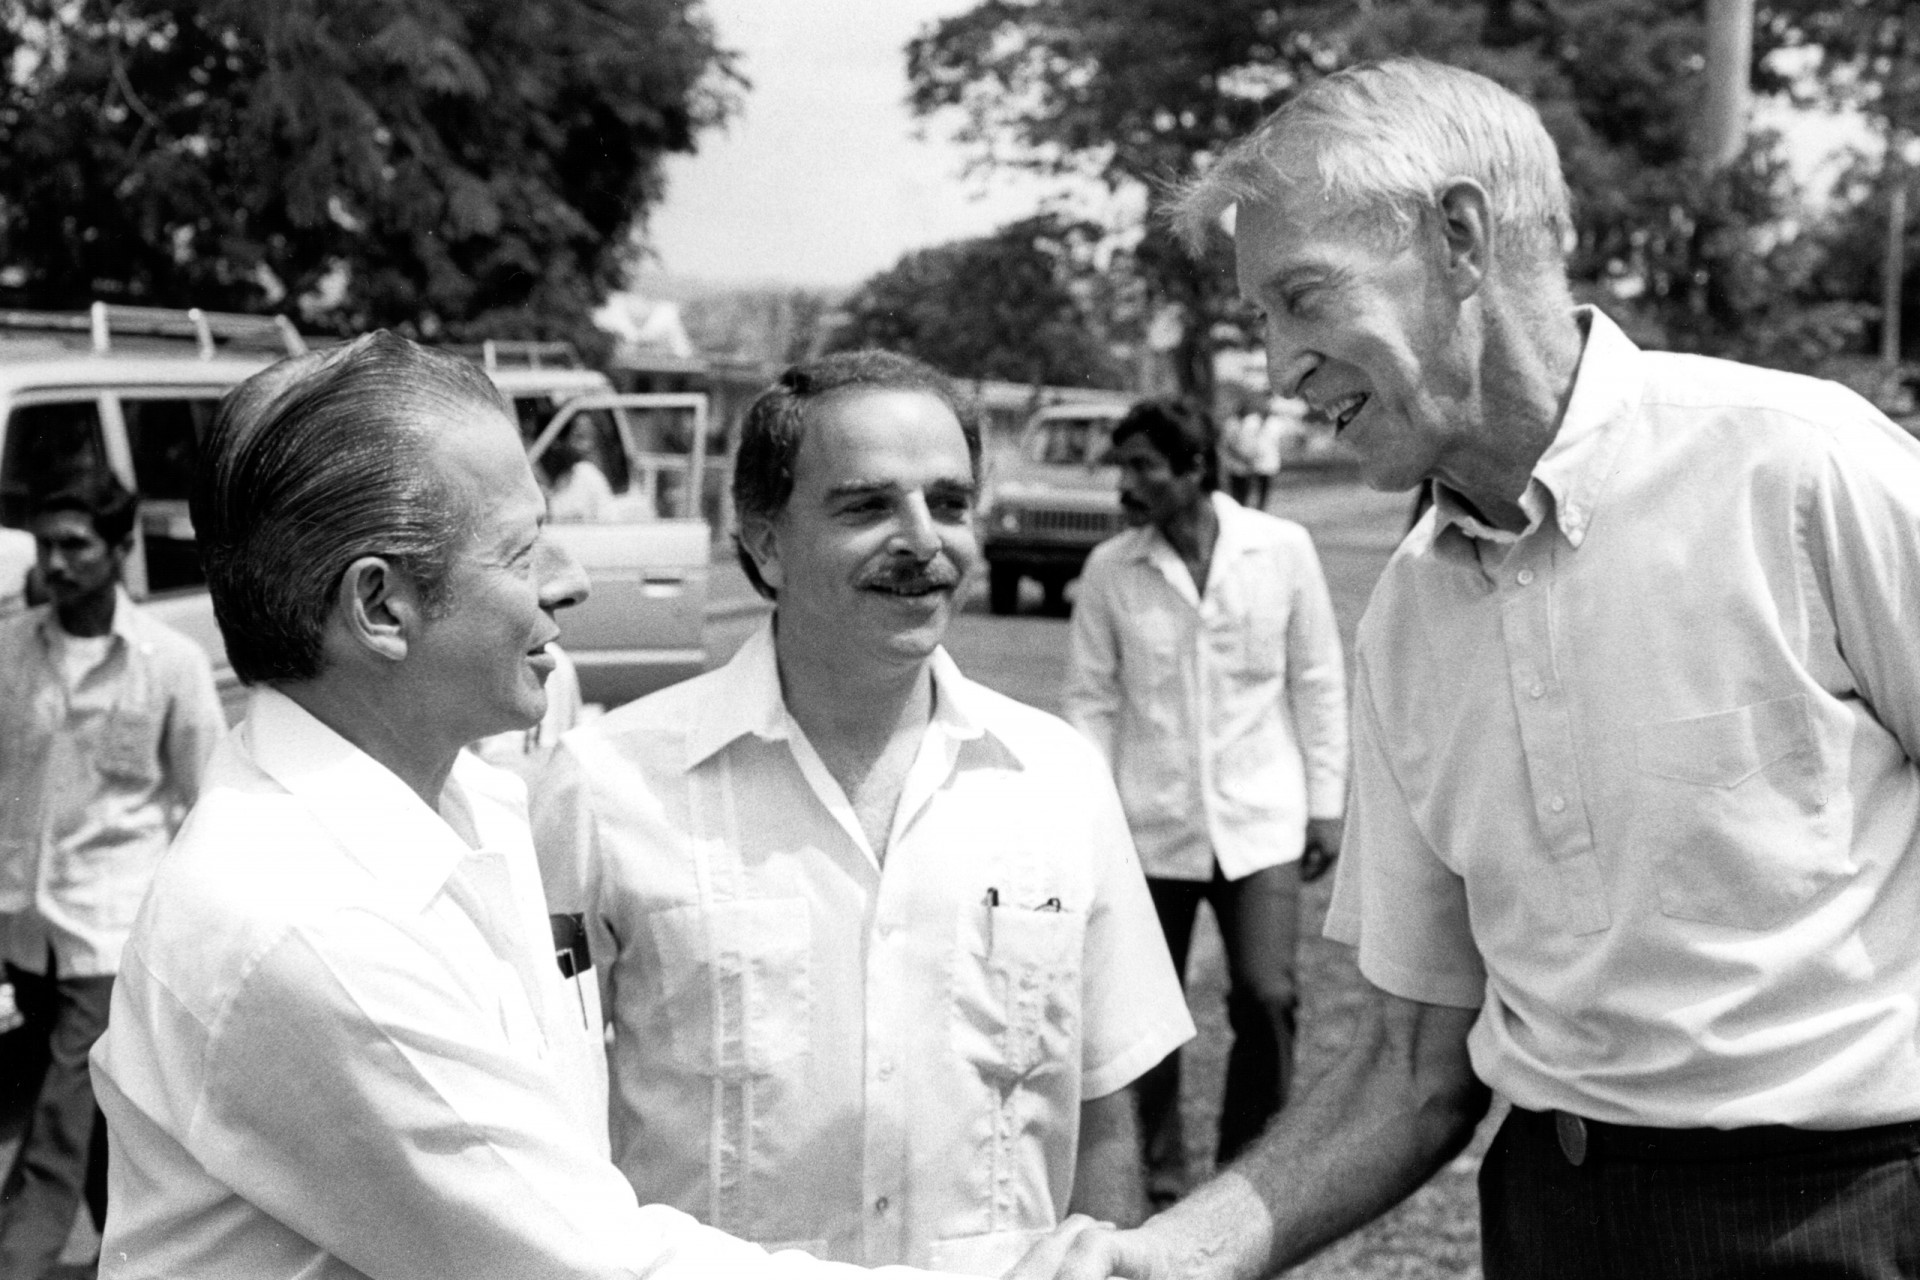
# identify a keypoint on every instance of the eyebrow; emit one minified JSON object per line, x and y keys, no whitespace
{"x":946,"y":487}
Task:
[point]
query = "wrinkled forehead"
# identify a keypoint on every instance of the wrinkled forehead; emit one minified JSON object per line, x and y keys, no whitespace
{"x":860,"y":433}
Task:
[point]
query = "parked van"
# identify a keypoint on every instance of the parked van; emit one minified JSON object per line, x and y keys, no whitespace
{"x":131,"y":391}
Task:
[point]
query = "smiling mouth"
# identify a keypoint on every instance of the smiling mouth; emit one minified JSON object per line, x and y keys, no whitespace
{"x":1341,"y":412}
{"x":911,"y":590}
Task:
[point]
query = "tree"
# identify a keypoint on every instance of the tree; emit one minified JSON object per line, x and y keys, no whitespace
{"x":1009,"y":305}
{"x":1135,"y":94}
{"x":1142,"y":93}
{"x":458,"y":168}
{"x":1867,"y":58}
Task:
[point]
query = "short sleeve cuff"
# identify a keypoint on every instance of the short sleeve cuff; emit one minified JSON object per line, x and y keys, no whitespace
{"x":1141,"y":1056}
{"x":1458,"y":989}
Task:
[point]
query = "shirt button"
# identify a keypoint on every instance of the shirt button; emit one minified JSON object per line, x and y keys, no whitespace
{"x":1536,"y":690}
{"x":1558,"y":804}
{"x":1524,"y":577}
{"x":880,"y":1205}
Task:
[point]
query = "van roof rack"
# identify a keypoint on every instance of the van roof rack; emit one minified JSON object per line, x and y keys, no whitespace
{"x":513,"y":353}
{"x":209,"y":330}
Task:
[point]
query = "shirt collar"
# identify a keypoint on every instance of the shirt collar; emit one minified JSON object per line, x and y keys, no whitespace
{"x":744,"y":699}
{"x":393,"y":834}
{"x":1143,"y":541}
{"x":1569,"y":476}
{"x":127,"y":623}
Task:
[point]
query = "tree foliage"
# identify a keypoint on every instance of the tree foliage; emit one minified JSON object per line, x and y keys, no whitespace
{"x":456,"y":167}
{"x":1144,"y":93}
{"x":1013,"y":305}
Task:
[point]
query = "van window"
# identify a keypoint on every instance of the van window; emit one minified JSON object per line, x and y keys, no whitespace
{"x":164,"y":435}
{"x":49,"y":444}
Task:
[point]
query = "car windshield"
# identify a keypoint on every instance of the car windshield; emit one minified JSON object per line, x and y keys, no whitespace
{"x":1069,"y":442}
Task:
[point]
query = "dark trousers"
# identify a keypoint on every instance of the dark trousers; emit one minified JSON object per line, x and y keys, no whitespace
{"x":1249,"y":490}
{"x":1258,"y":917}
{"x":1656,"y":1205}
{"x":62,"y":1157}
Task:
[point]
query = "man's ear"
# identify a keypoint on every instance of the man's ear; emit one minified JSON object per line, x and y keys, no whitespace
{"x":1466,"y":232}
{"x":759,"y":540}
{"x":377,"y":608}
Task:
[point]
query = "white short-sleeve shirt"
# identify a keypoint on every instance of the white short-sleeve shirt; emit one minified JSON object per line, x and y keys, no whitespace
{"x":879,"y":1065}
{"x":1640,"y":783}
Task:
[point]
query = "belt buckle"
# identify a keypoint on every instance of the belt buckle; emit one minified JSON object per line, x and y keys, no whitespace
{"x":1572,"y":1132}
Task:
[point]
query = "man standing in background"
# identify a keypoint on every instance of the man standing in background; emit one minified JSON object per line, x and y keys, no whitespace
{"x":1206,"y":668}
{"x":107,"y":718}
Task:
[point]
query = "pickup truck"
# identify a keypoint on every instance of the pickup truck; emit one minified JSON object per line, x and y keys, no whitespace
{"x":1052,"y":499}
{"x":131,"y":390}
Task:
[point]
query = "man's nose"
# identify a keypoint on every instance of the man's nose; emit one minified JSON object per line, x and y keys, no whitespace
{"x":1288,"y":361}
{"x":563,"y":582}
{"x":916,"y":533}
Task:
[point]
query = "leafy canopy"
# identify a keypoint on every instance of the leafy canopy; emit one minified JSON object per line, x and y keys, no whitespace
{"x":1145,"y":93}
{"x":1013,"y":305}
{"x":450,"y":167}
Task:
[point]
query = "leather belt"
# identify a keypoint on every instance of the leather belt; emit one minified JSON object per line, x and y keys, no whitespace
{"x":1582,"y":1140}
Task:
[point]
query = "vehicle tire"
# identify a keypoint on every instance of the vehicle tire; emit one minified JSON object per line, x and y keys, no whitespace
{"x":1055,"y":586}
{"x":1003,"y":588}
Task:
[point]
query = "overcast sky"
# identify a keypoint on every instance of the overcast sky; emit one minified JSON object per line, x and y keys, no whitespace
{"x":819,"y":179}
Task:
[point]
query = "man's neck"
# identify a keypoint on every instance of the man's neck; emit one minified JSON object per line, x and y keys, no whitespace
{"x":847,"y":706}
{"x":1531,"y":360}
{"x":87,"y":617}
{"x":368,"y":720}
{"x":865,"y":721}
{"x":1192,"y":533}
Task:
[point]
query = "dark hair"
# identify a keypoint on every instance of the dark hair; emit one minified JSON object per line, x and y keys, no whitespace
{"x":1179,"y":431}
{"x":101,"y":498}
{"x":310,"y":465}
{"x":776,"y":421}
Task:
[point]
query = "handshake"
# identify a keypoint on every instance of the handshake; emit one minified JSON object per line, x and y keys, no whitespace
{"x":1223,"y":1231}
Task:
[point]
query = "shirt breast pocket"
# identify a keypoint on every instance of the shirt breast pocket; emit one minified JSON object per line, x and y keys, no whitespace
{"x":1017,"y":1006}
{"x":1735,"y":806}
{"x":1263,"y":640}
{"x":128,"y":751}
{"x":735,"y":984}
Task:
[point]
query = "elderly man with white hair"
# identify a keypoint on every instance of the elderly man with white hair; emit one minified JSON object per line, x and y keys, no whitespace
{"x":1635,"y":831}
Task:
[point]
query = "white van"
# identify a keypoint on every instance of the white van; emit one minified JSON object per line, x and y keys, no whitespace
{"x":131,"y":390}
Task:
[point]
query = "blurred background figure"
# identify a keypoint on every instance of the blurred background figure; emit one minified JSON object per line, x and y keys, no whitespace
{"x":579,"y":492}
{"x":1205,"y":665}
{"x":107,"y":718}
{"x":16,"y":564}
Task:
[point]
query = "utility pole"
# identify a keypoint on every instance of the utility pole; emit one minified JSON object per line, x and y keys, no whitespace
{"x":1723,"y":127}
{"x":1894,"y":175}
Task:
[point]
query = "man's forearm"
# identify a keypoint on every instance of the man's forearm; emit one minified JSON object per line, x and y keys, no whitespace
{"x":1399,"y":1106}
{"x":1107,"y":1183}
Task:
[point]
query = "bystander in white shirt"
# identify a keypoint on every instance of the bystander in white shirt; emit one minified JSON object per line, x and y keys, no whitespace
{"x":1224,"y":715}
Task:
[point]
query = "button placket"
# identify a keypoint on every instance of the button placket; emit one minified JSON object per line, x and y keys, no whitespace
{"x":1546,"y":738}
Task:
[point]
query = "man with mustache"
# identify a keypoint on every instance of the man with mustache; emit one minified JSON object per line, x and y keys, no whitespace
{"x":879,"y":957}
{"x":1634,"y":838}
{"x":107,"y":717}
{"x":1206,"y":668}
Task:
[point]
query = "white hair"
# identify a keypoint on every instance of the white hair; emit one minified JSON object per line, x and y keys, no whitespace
{"x":1384,"y":138}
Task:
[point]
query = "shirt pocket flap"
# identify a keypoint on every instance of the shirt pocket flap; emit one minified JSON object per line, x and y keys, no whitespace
{"x":1726,"y":748}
